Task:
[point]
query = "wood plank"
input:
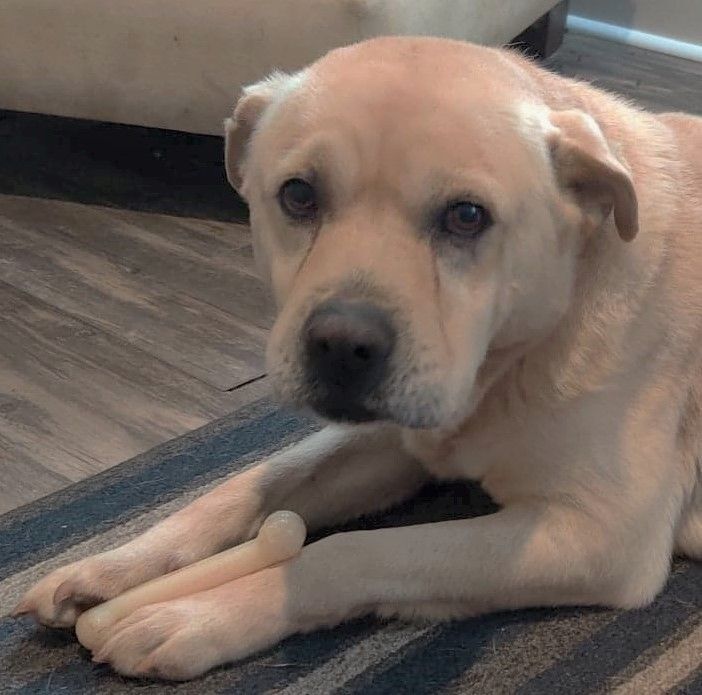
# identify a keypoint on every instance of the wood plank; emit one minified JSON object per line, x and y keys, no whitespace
{"x":656,"y":81}
{"x":22,"y":478}
{"x":75,"y":400}
{"x":164,"y":321}
{"x":216,"y":258}
{"x":25,"y":472}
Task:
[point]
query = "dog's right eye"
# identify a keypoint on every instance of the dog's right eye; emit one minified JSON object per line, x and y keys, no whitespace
{"x":465,"y":219}
{"x":298,"y":200}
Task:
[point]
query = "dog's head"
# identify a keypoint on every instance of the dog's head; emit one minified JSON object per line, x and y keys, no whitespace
{"x":417,"y":210}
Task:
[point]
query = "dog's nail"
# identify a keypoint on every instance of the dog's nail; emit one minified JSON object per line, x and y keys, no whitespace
{"x":63,"y":591}
{"x":147,"y":667}
{"x":100,"y":657}
{"x":22,"y":608}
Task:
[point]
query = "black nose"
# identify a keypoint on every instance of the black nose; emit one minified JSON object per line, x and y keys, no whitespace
{"x":348,"y":344}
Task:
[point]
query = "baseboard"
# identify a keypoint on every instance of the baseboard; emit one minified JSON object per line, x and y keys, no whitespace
{"x":633,"y":37}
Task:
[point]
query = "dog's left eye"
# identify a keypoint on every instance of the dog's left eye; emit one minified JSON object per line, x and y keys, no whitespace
{"x":465,"y":219}
{"x":298,"y":200}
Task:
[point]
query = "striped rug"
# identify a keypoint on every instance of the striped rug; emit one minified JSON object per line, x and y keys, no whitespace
{"x":656,"y":650}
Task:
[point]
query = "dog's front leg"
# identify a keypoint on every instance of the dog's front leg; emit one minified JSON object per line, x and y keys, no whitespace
{"x":531,"y":554}
{"x":333,"y":475}
{"x":538,"y":553}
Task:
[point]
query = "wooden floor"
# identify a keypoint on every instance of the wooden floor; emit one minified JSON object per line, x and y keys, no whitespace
{"x":124,"y":328}
{"x":121,"y":330}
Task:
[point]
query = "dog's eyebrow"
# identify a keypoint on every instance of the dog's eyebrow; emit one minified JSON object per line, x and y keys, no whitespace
{"x":445,"y":186}
{"x":322,"y":157}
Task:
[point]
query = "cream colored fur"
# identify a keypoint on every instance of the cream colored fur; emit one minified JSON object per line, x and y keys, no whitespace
{"x":556,"y":360}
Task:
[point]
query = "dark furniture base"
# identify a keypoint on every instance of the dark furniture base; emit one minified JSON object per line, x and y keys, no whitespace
{"x":545,"y":36}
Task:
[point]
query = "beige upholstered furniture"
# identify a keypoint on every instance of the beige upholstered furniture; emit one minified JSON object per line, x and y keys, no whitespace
{"x":179,"y":63}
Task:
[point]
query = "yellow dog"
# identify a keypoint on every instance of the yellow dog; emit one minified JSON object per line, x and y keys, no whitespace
{"x":483,"y":271}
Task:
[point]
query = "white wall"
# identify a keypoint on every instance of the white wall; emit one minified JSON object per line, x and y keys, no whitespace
{"x":677,"y":19}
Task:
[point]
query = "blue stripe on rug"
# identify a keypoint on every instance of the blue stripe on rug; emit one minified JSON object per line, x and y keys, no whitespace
{"x":44,"y":528}
{"x":10,"y":629}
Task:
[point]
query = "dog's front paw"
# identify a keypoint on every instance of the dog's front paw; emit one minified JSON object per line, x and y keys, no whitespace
{"x":184,"y":638}
{"x":176,"y":640}
{"x":59,"y":598}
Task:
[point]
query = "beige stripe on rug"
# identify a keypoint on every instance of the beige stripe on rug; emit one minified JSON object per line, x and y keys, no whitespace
{"x":672,"y":667}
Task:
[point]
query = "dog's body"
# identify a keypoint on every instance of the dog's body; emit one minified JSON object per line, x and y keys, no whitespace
{"x":518,"y":341}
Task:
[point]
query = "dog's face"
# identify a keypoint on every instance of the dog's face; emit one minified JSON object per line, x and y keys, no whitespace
{"x":416,"y":213}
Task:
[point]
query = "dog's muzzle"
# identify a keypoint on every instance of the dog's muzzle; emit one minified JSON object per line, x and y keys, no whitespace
{"x":347,"y":349}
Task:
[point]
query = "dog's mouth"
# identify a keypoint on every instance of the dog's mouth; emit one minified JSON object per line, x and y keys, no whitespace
{"x":395,"y":401}
{"x":399,"y":399}
{"x":343,"y":412}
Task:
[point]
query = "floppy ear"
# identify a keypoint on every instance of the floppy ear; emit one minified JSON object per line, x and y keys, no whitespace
{"x":238,"y":129}
{"x":586,"y":165}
